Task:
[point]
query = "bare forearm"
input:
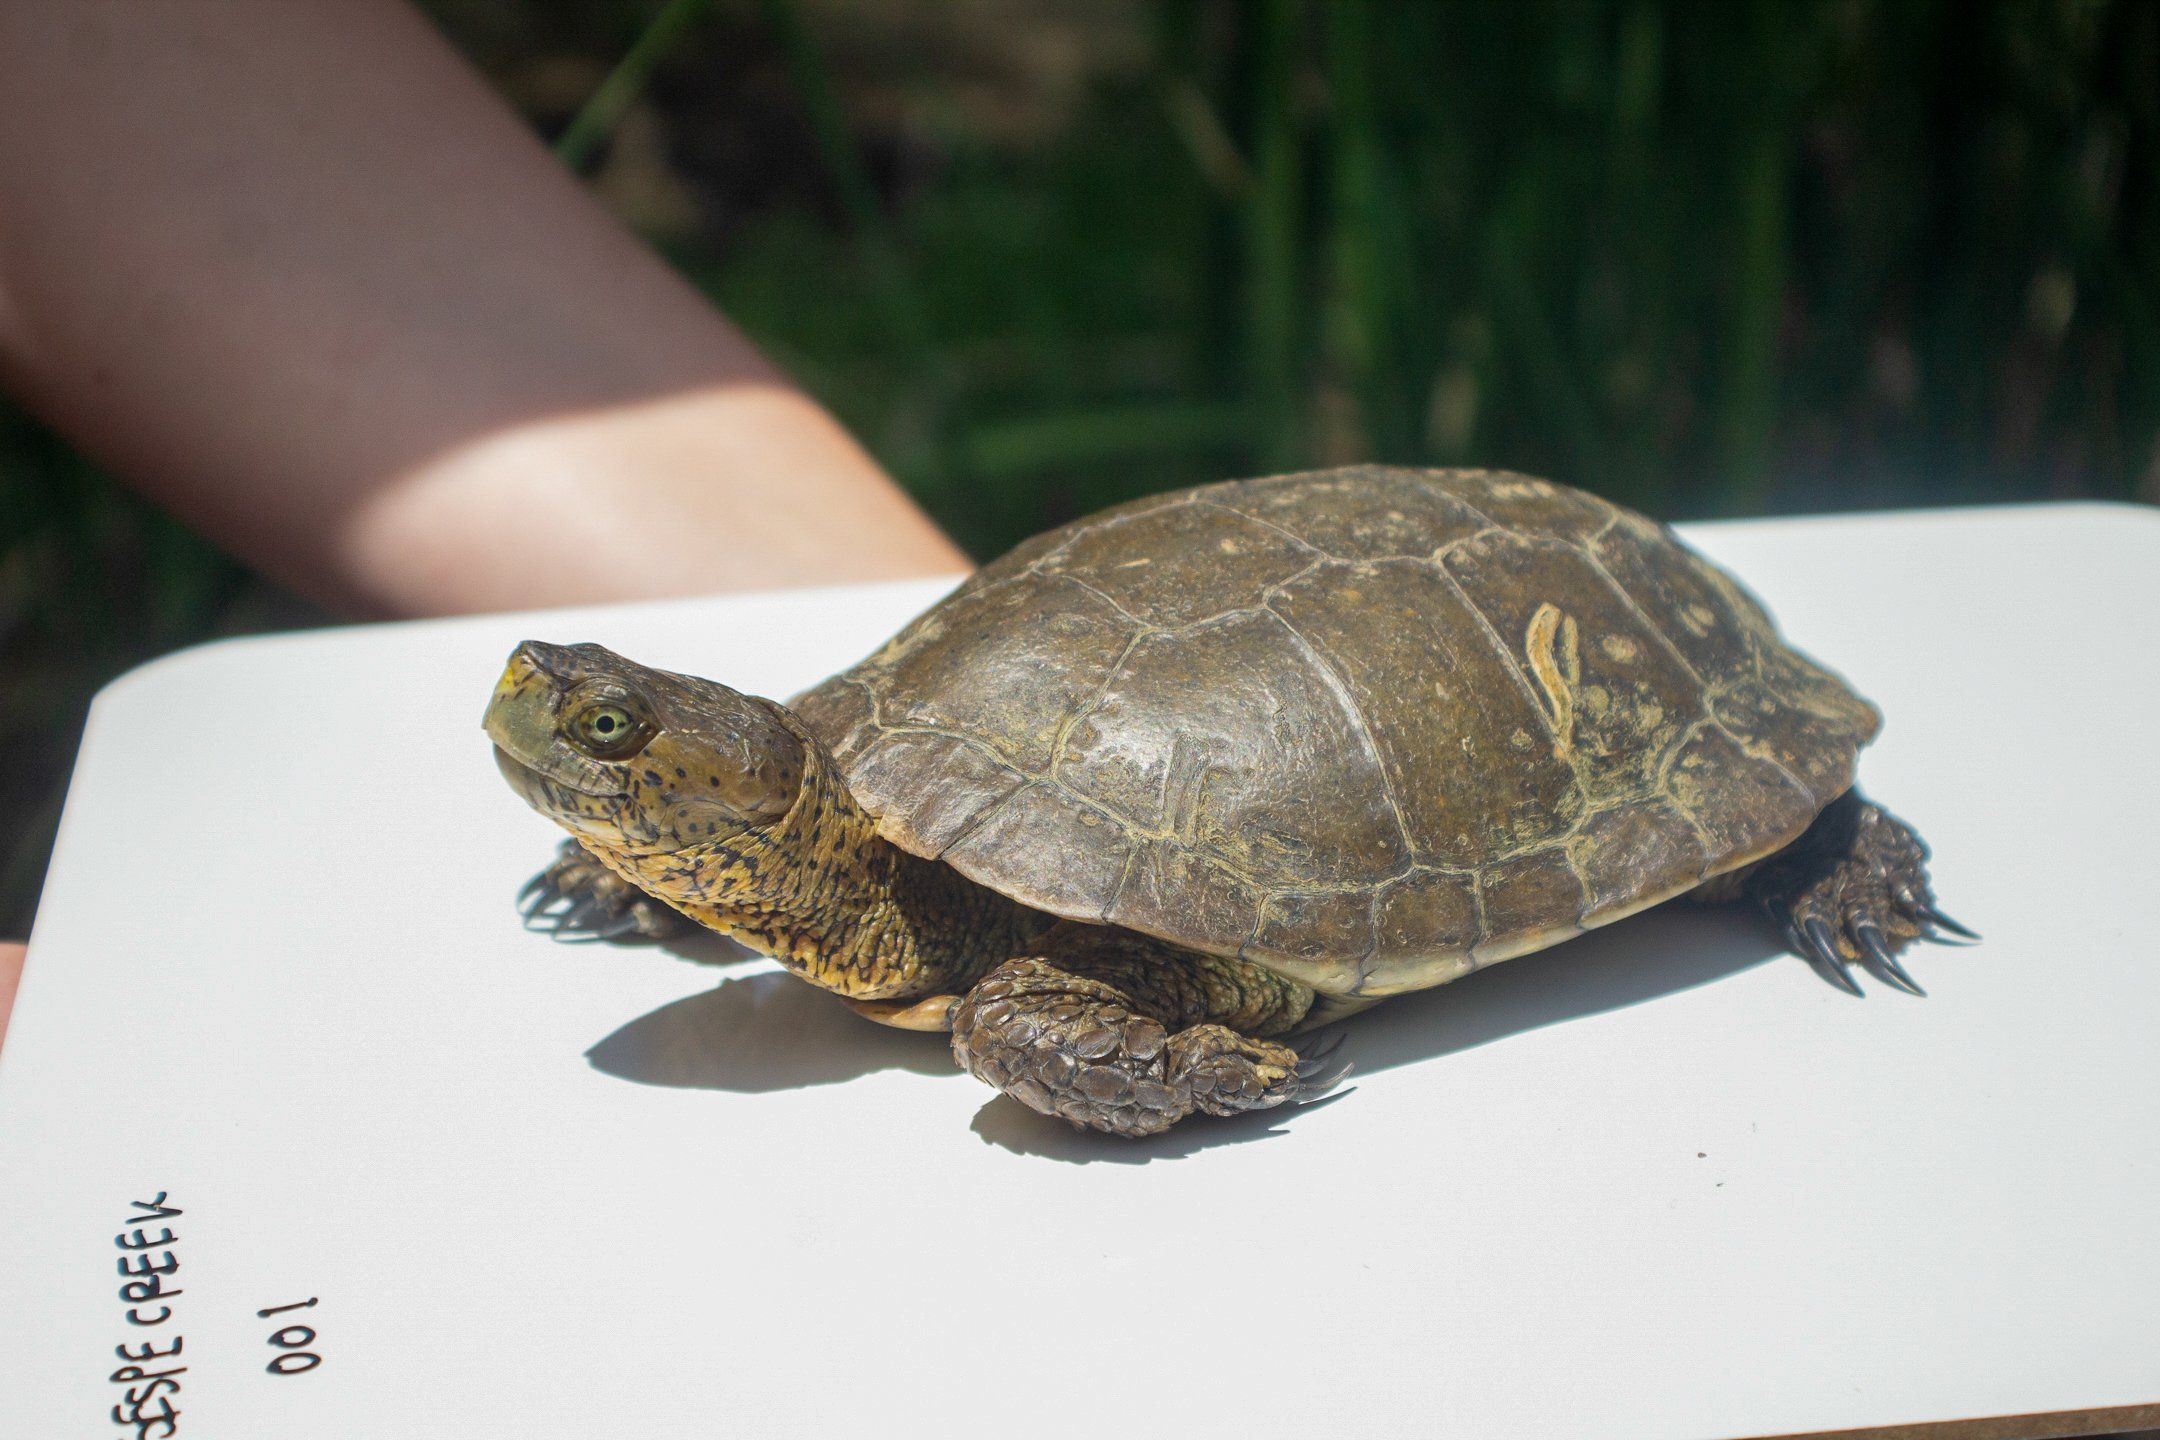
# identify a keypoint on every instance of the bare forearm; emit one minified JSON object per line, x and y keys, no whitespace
{"x":298,"y":274}
{"x":11,"y":960}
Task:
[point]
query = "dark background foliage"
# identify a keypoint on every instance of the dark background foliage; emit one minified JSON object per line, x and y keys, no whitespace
{"x":1043,"y":255}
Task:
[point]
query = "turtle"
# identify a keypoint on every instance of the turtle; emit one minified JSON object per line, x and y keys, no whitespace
{"x":1143,"y":806}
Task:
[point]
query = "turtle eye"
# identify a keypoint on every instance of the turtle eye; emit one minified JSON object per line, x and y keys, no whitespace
{"x":609,"y":732}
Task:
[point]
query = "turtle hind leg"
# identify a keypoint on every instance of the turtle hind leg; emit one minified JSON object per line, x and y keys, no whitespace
{"x":1852,"y":889}
{"x":578,"y":898}
{"x":1065,"y":1039}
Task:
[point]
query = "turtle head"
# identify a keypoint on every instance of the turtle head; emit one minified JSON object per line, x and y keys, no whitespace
{"x":638,"y":761}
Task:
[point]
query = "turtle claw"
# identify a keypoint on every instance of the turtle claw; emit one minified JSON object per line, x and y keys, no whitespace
{"x":543,"y":915}
{"x":569,"y":927}
{"x":1875,"y":954}
{"x":1322,"y":1086}
{"x":1316,"y":1073}
{"x":588,"y":921}
{"x":1818,"y":946}
{"x":575,"y":917}
{"x":577,"y":900}
{"x":546,"y":922}
{"x":623,"y":924}
{"x":1310,"y":1062}
{"x":1927,"y":911}
{"x":539,"y":893}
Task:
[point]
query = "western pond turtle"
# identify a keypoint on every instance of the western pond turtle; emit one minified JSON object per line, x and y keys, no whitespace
{"x":1170,"y":785}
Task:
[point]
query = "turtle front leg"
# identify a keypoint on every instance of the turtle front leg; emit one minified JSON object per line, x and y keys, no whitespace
{"x":578,"y":898}
{"x":1853,"y":888}
{"x":1116,"y":1033}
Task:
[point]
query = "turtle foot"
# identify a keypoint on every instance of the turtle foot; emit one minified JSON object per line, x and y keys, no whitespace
{"x":1080,"y":1049}
{"x":1854,"y":890}
{"x":579,"y":899}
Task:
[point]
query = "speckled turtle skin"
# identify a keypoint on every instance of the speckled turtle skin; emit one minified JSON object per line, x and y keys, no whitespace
{"x":1369,"y":728}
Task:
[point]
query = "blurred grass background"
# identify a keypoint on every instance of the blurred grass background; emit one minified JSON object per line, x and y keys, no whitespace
{"x":1043,"y":255}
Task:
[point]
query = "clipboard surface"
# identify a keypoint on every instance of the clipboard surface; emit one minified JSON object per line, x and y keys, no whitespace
{"x":1659,"y":1182}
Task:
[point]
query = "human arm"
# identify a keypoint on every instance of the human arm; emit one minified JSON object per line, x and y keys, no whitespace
{"x":298,"y":274}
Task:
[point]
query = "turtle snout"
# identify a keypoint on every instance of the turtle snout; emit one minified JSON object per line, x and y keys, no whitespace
{"x":520,"y":716}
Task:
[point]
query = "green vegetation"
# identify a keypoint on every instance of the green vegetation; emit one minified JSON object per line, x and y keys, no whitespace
{"x":1047,"y":254}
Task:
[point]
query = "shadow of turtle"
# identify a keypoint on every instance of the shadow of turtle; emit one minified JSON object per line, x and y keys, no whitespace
{"x":1658,"y":953}
{"x":758,"y":1033}
{"x":1011,"y":1126}
{"x":770,"y":1031}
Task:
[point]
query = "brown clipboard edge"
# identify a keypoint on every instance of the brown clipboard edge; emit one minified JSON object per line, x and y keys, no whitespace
{"x":2053,"y":1425}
